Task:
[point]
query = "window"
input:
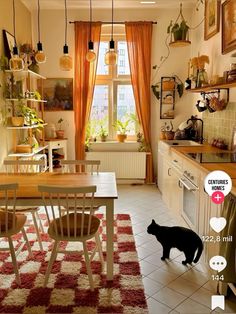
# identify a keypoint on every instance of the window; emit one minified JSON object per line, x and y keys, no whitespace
{"x":113,"y":95}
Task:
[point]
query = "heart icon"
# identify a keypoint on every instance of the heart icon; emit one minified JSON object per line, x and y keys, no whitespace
{"x":217,"y":224}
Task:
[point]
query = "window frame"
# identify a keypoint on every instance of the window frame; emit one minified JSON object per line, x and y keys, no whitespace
{"x":112,"y":80}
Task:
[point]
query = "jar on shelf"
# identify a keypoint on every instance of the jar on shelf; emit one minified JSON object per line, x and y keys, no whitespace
{"x":202,"y":78}
{"x":50,"y":131}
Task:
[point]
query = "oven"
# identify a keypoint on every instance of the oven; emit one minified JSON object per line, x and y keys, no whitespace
{"x":190,"y":199}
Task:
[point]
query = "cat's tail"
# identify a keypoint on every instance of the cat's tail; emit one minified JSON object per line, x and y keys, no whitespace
{"x":199,"y":252}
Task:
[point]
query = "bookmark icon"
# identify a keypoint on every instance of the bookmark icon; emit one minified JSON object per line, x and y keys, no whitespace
{"x":218,"y":301}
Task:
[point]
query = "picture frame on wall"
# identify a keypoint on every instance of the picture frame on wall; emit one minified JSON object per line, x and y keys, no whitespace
{"x":58,"y":92}
{"x":228,"y":26}
{"x":212,"y":18}
{"x":9,"y":42}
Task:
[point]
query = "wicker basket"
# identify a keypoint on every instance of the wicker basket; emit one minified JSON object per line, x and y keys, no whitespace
{"x":168,"y":85}
{"x":23,"y":148}
{"x":169,"y":135}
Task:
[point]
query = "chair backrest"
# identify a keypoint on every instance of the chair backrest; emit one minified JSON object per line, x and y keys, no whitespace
{"x":26,"y":166}
{"x":73,"y":166}
{"x":76,"y":202}
{"x":8,"y":200}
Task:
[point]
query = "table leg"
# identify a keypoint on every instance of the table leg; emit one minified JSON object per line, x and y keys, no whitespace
{"x":110,"y":234}
{"x":50,"y":159}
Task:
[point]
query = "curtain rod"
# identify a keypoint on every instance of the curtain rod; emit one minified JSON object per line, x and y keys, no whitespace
{"x":72,"y":22}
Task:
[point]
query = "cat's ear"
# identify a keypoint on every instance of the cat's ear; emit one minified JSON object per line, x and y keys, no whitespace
{"x":153,"y":222}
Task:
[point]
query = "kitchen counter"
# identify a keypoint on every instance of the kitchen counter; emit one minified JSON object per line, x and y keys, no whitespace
{"x":229,"y":168}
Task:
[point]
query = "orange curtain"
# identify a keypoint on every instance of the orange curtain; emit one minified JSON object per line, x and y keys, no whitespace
{"x":85,"y":74}
{"x":139,"y":41}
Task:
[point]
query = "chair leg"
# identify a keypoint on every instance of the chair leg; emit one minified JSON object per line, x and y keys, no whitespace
{"x":37,"y":231}
{"x":87,"y":262}
{"x":99,"y":246}
{"x":40,"y":222}
{"x":52,"y":259}
{"x":14,"y":262}
{"x":27,"y":242}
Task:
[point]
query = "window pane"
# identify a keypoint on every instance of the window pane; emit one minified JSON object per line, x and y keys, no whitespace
{"x":102,"y":68}
{"x":99,"y":111}
{"x":123,"y":60}
{"x":126,"y":105}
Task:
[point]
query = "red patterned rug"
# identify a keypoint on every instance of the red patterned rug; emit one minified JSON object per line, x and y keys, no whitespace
{"x":68,"y":288}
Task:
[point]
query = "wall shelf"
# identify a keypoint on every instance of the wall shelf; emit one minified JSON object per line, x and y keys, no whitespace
{"x":25,"y":99}
{"x":25,"y":127}
{"x":25,"y":73}
{"x":35,"y":151}
{"x":212,"y":87}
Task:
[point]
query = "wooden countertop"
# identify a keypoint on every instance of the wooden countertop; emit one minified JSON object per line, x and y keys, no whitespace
{"x":229,"y":168}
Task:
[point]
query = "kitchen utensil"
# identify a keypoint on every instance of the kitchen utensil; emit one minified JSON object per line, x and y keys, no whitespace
{"x":184,"y":125}
{"x":233,"y":142}
{"x":200,"y":106}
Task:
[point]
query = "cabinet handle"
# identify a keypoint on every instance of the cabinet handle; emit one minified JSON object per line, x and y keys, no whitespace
{"x":169,"y":171}
{"x":175,"y":160}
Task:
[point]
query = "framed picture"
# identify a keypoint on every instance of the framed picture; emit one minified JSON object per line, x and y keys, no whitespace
{"x":212,"y":18}
{"x":59,"y":94}
{"x":228,"y":26}
{"x":9,"y":42}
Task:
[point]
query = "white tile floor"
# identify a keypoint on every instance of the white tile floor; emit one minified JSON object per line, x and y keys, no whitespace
{"x":170,"y":287}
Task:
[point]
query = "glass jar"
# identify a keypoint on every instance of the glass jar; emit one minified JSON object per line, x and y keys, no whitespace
{"x":202,"y":79}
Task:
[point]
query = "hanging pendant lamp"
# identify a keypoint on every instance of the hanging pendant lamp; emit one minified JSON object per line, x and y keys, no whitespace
{"x":111,"y":55}
{"x":91,"y":55}
{"x":40,"y":56}
{"x":15,"y":63}
{"x":65,"y":61}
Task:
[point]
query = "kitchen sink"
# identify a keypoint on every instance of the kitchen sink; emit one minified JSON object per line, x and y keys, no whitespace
{"x":181,"y":143}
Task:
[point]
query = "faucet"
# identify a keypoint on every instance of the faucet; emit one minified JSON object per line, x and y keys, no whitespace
{"x":197,"y":119}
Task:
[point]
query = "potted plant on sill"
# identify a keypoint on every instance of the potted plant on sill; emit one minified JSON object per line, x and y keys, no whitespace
{"x":122,"y":128}
{"x":103,"y":133}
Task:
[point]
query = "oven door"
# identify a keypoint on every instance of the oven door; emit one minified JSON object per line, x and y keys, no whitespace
{"x":189,"y":202}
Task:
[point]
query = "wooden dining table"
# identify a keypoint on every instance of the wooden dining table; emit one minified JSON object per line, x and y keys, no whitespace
{"x":28,"y":195}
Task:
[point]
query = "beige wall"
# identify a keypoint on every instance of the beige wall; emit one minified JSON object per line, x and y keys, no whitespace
{"x":23,"y":35}
{"x":218,"y":124}
{"x":53,"y":40}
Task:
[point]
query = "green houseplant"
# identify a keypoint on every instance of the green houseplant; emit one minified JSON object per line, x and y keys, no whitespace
{"x":60,"y":133}
{"x":122,"y":128}
{"x":179,"y":30}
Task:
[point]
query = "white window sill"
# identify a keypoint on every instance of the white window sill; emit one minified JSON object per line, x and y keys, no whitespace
{"x":128,"y":146}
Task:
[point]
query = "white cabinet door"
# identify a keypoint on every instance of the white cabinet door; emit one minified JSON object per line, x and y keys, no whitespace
{"x":176,"y":192}
{"x":166,"y":187}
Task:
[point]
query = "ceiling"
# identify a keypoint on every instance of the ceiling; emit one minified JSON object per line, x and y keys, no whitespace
{"x":101,"y":4}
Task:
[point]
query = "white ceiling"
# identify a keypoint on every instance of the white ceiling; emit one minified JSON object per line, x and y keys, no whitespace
{"x":101,"y":4}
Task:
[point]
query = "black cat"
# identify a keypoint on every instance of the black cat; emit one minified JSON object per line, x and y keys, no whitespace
{"x":181,"y":238}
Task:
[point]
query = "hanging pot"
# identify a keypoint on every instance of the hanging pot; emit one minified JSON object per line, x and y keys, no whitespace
{"x":199,"y":107}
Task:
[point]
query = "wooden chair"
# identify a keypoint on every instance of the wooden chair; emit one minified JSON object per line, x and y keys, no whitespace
{"x":83,"y":166}
{"x":77,"y":225}
{"x":80,"y":166}
{"x":28,"y":166}
{"x":12,"y":223}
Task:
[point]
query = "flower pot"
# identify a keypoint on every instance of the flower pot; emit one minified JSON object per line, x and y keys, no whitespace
{"x":103,"y":138}
{"x":121,"y":137}
{"x":60,"y":133}
{"x":17,"y":121}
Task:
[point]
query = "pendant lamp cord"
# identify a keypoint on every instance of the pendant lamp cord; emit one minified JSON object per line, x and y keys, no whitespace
{"x":38,"y":21}
{"x":65,"y":23}
{"x":14,"y":21}
{"x":112,"y":21}
{"x":90,"y":27}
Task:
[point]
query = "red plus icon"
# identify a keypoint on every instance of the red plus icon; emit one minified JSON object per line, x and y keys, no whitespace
{"x":217,"y":197}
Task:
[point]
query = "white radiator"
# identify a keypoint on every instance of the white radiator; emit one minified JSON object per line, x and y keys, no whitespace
{"x":126,"y":165}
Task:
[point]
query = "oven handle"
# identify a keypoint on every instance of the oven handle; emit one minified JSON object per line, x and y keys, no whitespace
{"x":189,"y":186}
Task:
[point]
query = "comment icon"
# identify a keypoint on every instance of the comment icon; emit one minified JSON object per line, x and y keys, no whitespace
{"x":218,"y":263}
